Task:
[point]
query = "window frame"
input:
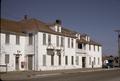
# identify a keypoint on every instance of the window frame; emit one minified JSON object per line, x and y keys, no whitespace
{"x":7,"y":38}
{"x":17,"y":39}
{"x":44,"y":38}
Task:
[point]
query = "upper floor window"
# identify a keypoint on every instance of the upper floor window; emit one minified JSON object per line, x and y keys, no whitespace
{"x":62,"y":41}
{"x":84,"y":46}
{"x":94,"y":47}
{"x":72,"y":43}
{"x":44,"y":39}
{"x":49,"y":39}
{"x":98,"y":48}
{"x":30,"y":39}
{"x":80,"y":46}
{"x":68,"y":42}
{"x":57,"y":40}
{"x":7,"y":38}
{"x":17,"y":39}
{"x":89,"y":47}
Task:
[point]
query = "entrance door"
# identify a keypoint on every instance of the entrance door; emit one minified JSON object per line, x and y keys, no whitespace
{"x":17,"y":62}
{"x":30,"y":62}
{"x":83,"y":62}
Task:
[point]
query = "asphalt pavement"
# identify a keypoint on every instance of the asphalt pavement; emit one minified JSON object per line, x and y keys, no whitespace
{"x":64,"y":75}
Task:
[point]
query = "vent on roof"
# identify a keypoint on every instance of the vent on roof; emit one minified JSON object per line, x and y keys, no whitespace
{"x":25,"y":17}
{"x":58,"y":21}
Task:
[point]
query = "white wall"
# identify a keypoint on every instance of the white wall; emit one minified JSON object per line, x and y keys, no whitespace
{"x":65,"y":51}
{"x":11,"y":49}
{"x":40,"y":50}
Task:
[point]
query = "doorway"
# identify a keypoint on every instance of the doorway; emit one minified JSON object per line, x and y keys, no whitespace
{"x":83,"y":62}
{"x":30,"y":62}
{"x":17,"y":62}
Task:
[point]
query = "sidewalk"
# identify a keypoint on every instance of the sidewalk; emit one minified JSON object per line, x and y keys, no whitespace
{"x":21,"y":75}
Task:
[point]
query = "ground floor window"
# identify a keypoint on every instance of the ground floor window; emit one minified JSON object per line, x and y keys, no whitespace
{"x":89,"y":60}
{"x":72,"y":60}
{"x":98,"y":60}
{"x":66,"y":60}
{"x":44,"y":60}
{"x":59,"y":59}
{"x":7,"y":57}
{"x":77,"y":60}
{"x":94,"y":61}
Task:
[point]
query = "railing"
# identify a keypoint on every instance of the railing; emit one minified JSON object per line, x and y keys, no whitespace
{"x":81,"y":51}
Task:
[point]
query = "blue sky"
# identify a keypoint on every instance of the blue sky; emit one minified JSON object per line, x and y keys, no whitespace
{"x":98,"y":18}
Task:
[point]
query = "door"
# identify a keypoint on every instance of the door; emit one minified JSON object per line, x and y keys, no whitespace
{"x":83,"y":62}
{"x":17,"y":62}
{"x":30,"y":62}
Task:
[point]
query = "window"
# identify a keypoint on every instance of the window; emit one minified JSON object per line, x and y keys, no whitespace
{"x":94,"y":61}
{"x":89,"y":47}
{"x":17,"y":39}
{"x":44,"y":60}
{"x":49,"y":39}
{"x":98,"y":60}
{"x":94,"y":47}
{"x":89,"y":60}
{"x":57,"y":40}
{"x":58,"y":29}
{"x":80,"y":46}
{"x":98,"y":48}
{"x":66,"y":60}
{"x":52,"y":59}
{"x":7,"y":38}
{"x":72,"y":60}
{"x":59,"y":56}
{"x":7,"y":58}
{"x":68,"y":42}
{"x":62,"y":41}
{"x":44,"y":39}
{"x":72,"y":43}
{"x":30,"y":39}
{"x":84,"y":45}
{"x":77,"y":60}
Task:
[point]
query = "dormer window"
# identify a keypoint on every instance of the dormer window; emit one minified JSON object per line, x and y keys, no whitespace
{"x":58,"y":25}
{"x":58,"y":29}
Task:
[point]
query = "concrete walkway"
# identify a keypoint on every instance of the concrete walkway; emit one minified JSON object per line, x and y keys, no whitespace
{"x":20,"y":75}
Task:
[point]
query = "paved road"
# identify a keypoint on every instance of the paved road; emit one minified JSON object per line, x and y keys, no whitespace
{"x":112,"y":75}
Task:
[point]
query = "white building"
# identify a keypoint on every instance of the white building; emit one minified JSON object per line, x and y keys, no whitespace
{"x":30,"y":44}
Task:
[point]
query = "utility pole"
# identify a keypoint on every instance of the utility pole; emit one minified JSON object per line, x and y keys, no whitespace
{"x":118,"y":31}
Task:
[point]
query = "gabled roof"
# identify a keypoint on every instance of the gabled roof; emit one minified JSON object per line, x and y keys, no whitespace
{"x":34,"y":25}
{"x":30,"y":25}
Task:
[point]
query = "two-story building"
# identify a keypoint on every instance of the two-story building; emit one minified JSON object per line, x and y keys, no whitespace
{"x":31,"y":44}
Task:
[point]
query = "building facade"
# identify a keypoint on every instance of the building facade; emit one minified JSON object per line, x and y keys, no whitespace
{"x":30,"y":44}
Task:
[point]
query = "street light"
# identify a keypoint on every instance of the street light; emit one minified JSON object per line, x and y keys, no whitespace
{"x":118,"y":31}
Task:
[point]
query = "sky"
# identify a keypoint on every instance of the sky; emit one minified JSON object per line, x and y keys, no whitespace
{"x":98,"y":18}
